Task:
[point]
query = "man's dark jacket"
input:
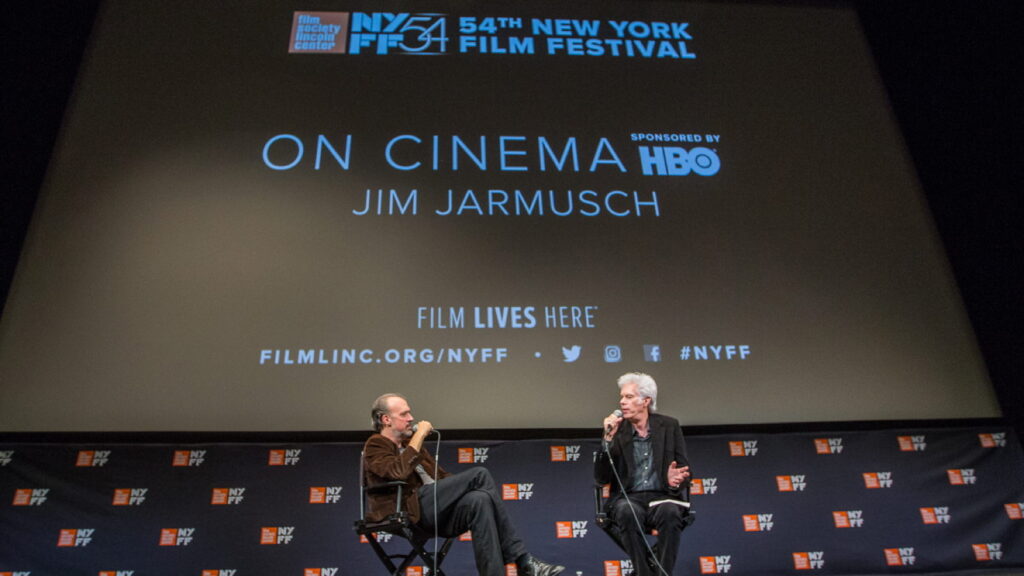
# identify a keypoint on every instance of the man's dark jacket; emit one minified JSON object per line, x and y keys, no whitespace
{"x":384,"y":462}
{"x":667,"y":446}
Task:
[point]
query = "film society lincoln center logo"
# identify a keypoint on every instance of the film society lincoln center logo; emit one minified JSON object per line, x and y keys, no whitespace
{"x":319,"y":33}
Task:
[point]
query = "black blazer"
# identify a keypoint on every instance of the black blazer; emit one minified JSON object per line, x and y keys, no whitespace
{"x":668,"y":446}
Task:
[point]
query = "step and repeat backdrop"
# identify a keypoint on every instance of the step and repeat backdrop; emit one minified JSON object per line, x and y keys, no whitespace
{"x":909,"y":501}
{"x":261,"y":215}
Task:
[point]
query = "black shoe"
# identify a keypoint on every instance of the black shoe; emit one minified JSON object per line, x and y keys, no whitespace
{"x":535,"y":567}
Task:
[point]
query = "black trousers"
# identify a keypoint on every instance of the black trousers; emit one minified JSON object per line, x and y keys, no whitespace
{"x":667,"y":519}
{"x":470,"y":500}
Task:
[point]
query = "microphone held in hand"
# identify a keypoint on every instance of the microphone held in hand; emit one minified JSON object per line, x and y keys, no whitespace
{"x":416,"y":428}
{"x":617,"y":414}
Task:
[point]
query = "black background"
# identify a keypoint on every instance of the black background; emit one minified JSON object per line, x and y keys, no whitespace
{"x":950,"y":68}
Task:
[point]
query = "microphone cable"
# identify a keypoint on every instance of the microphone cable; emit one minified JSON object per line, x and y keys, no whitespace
{"x":629,"y":503}
{"x":437,"y":464}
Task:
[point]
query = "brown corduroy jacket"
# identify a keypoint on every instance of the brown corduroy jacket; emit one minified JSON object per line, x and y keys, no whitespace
{"x":384,"y":462}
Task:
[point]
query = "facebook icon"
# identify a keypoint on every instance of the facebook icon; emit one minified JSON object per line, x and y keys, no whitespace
{"x":652,"y":352}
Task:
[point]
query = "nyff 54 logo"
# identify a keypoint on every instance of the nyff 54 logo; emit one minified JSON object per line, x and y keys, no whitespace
{"x":92,"y":458}
{"x":573,"y":529}
{"x":517,"y":491}
{"x":565,"y":453}
{"x":715,"y":564}
{"x":30,"y":496}
{"x":472,"y":455}
{"x":284,"y":457}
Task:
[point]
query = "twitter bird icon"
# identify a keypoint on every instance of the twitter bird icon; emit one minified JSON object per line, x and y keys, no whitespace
{"x":571,"y":354}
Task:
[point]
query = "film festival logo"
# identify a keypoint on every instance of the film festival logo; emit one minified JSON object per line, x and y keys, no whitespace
{"x":900,"y":556}
{"x":116,"y":573}
{"x":565,"y":453}
{"x":188,"y":458}
{"x":6,"y":456}
{"x":177,"y":536}
{"x":324,"y":494}
{"x":277,"y":535}
{"x":75,"y":537}
{"x":715,"y":564}
{"x":791,"y":483}
{"x":92,"y":458}
{"x":129,"y":496}
{"x":939,"y":515}
{"x":320,"y":572}
{"x":1014,"y":510}
{"x":988,"y":552}
{"x":30,"y":496}
{"x":16,"y":573}
{"x":517,"y":491}
{"x":382,"y":537}
{"x":284,"y":457}
{"x":571,"y":529}
{"x":962,"y":477}
{"x":808,"y":560}
{"x":221,"y":572}
{"x":472,"y":455}
{"x":743,"y":448}
{"x":758,"y":522}
{"x":227,"y":496}
{"x":618,"y":568}
{"x":828,"y":445}
{"x":848,"y":518}
{"x":995,"y":440}
{"x":703,"y":486}
{"x":876,"y":480}
{"x":912,"y":443}
{"x":367,"y":33}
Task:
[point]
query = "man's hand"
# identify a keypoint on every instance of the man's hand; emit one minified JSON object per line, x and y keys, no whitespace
{"x":611,"y":426}
{"x":422,"y":429}
{"x":677,"y":474}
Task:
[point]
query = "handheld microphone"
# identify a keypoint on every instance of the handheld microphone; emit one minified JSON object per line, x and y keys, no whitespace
{"x":617,"y":414}
{"x":416,"y":428}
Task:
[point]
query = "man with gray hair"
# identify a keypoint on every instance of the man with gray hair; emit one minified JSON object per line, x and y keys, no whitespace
{"x":643,"y":457}
{"x":465,"y":501}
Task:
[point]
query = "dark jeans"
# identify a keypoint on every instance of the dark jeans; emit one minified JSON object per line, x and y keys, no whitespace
{"x":470,"y":500}
{"x":667,"y":519}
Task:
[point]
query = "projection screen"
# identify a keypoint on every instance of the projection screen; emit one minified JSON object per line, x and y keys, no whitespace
{"x":262,"y":215}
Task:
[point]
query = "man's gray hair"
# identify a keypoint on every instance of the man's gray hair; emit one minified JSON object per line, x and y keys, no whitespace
{"x":380,"y":408}
{"x":646,"y":387}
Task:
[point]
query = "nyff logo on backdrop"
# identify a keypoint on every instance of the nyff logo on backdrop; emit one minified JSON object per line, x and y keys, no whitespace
{"x":995,"y":440}
{"x":962,"y":477}
{"x":222,"y":572}
{"x":274,"y":535}
{"x":744,"y":448}
{"x":938,"y":515}
{"x":324,"y":494}
{"x":572,"y":529}
{"x":808,"y":560}
{"x":117,"y":572}
{"x":76,"y":537}
{"x":227,"y":496}
{"x":320,"y":572}
{"x":988,"y":552}
{"x":912,"y":443}
{"x":517,"y":491}
{"x":715,"y":564}
{"x":318,"y":33}
{"x":92,"y":458}
{"x":472,"y":455}
{"x":565,"y":453}
{"x":129,"y":496}
{"x":284,"y":457}
{"x":1015,"y":510}
{"x":828,"y":445}
{"x":900,"y":556}
{"x":848,"y":518}
{"x":758,"y":522}
{"x":30,"y":496}
{"x":873,"y":480}
{"x":703,"y":486}
{"x":796,"y":483}
{"x":16,"y":573}
{"x":188,"y":458}
{"x":5,"y":457}
{"x":177,"y":536}
{"x":618,"y":568}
